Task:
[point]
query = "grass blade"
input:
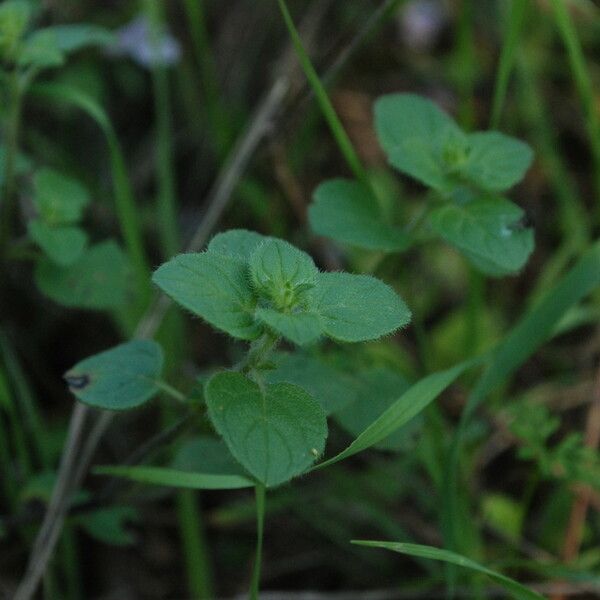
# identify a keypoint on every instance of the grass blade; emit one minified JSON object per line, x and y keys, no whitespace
{"x":515,"y":588}
{"x":178,"y":479}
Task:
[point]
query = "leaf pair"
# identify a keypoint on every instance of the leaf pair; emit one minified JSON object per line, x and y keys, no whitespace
{"x":245,"y":284}
{"x":467,"y":170}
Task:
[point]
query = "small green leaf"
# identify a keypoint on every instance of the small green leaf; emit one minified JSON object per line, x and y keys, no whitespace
{"x":346,"y":212}
{"x":120,"y":378}
{"x":331,"y":388}
{"x":405,"y":408}
{"x":516,"y":589}
{"x":236,"y":243}
{"x":98,"y":280}
{"x":276,"y":433}
{"x":299,"y":327}
{"x":62,"y":245}
{"x":41,"y":50}
{"x":355,"y":308}
{"x":377,"y":390}
{"x":496,"y":162}
{"x":213,"y":286}
{"x":281,"y":271}
{"x":489,"y":232}
{"x":59,"y":200}
{"x":109,"y":525}
{"x":14,"y":18}
{"x":419,"y":138}
{"x":178,"y":479}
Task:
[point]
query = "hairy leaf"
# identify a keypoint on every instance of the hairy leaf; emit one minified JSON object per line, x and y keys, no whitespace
{"x":276,"y":432}
{"x":120,"y":378}
{"x":299,"y":327}
{"x":236,"y":243}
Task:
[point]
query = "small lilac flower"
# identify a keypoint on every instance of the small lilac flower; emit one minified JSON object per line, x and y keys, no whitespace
{"x":421,"y":23}
{"x":139,"y":42}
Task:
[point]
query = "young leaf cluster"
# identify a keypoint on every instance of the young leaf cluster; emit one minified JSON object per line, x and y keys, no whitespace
{"x":467,"y":172}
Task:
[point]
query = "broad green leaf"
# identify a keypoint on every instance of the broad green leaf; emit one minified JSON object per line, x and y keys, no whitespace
{"x":420,"y":139}
{"x":62,"y":245}
{"x":299,"y":327}
{"x":331,"y":388}
{"x":208,"y":455}
{"x":109,"y":525}
{"x":496,"y":162}
{"x":41,"y":50}
{"x":346,"y":212}
{"x":281,"y":271}
{"x":59,"y":200}
{"x":276,"y":432}
{"x":120,"y":378}
{"x":516,"y":589}
{"x":213,"y":286}
{"x":489,"y":232}
{"x":98,"y":280}
{"x":70,"y":38}
{"x":236,"y":243}
{"x":355,"y":308}
{"x":405,"y":408}
{"x":178,"y":479}
{"x":377,"y":390}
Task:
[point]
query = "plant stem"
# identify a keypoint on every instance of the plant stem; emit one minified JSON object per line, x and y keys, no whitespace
{"x":260,"y":524}
{"x":583,"y":81}
{"x":518,"y":12}
{"x":167,"y":212}
{"x":15,"y":93}
{"x":171,"y":391}
{"x":196,"y":555}
{"x":465,"y":64}
{"x":335,"y":125}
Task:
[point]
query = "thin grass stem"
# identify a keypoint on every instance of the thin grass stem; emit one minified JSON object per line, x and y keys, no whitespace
{"x":260,"y":526}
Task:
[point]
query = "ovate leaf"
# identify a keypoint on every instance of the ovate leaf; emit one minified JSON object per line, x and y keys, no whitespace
{"x":236,"y":243}
{"x":300,"y":327}
{"x":213,"y":286}
{"x":62,"y":245}
{"x":73,"y":37}
{"x":98,"y":280}
{"x":355,"y":308}
{"x":41,"y":50}
{"x":59,"y":200}
{"x":346,"y":211}
{"x":489,"y":232}
{"x":276,"y":432}
{"x":120,"y":378}
{"x":516,"y":589}
{"x":109,"y":525}
{"x":496,"y":162}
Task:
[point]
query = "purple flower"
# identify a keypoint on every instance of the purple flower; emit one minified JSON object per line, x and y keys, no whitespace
{"x":421,"y":23}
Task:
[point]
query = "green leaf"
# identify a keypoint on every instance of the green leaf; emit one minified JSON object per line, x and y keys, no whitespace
{"x":299,"y":327}
{"x":178,"y":479}
{"x":208,"y":455}
{"x":59,"y":200}
{"x":276,"y":432}
{"x":213,"y":286}
{"x":41,"y":50}
{"x":347,"y":212}
{"x":331,"y":388}
{"x":496,"y":162}
{"x":73,"y":37}
{"x":109,"y":525}
{"x":236,"y":243}
{"x":516,"y":589}
{"x":14,"y":18}
{"x":62,"y":245}
{"x":419,"y":138}
{"x":98,"y":280}
{"x":377,"y":390}
{"x":280,"y":271}
{"x":355,"y":308}
{"x":488,"y":232}
{"x":120,"y":378}
{"x":405,"y":408}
